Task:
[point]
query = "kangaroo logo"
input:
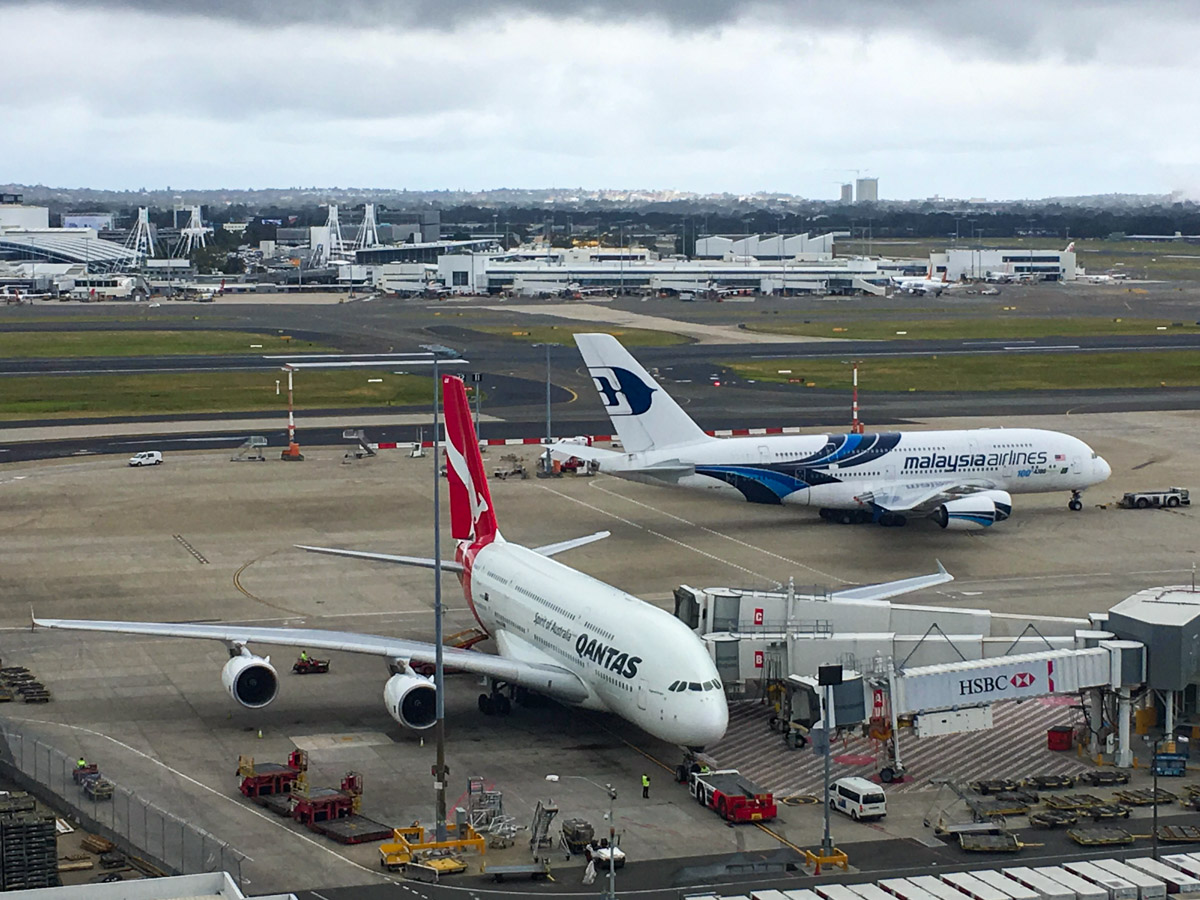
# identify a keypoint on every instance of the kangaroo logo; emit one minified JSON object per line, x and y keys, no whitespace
{"x":623,"y":392}
{"x":458,"y":463}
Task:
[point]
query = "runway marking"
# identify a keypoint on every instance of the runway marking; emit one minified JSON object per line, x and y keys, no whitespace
{"x":190,"y":549}
{"x":200,"y":784}
{"x":658,"y":534}
{"x":719,"y":534}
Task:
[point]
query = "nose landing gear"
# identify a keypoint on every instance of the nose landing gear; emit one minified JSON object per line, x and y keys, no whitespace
{"x":1075,"y":504}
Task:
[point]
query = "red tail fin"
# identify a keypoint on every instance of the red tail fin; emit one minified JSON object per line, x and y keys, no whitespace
{"x":471,"y":514}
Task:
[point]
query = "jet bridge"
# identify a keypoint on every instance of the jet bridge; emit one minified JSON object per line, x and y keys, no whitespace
{"x":938,"y":668}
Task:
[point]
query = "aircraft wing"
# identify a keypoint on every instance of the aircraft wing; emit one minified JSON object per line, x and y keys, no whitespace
{"x":562,"y":546}
{"x":920,"y":497}
{"x":894,"y":588}
{"x":545,"y":678}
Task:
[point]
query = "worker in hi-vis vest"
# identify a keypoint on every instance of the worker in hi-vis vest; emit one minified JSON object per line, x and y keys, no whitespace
{"x":645,"y":786}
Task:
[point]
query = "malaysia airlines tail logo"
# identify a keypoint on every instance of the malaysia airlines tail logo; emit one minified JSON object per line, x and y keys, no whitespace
{"x":623,"y":393}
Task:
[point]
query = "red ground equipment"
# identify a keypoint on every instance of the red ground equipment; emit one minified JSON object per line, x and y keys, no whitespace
{"x":310,"y":666}
{"x":734,"y":797}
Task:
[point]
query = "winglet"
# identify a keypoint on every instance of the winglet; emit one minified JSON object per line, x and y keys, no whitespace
{"x":942,"y":570}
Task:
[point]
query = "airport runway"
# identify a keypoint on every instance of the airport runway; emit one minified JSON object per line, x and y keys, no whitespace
{"x":489,"y":355}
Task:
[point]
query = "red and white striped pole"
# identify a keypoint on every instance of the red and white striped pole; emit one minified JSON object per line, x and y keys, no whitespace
{"x":855,"y":425}
{"x":293,"y":449}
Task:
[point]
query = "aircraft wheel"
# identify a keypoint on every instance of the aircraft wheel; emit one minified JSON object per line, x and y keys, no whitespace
{"x":502,"y":704}
{"x":887,"y":775}
{"x":485,"y":704}
{"x":1075,"y":505}
{"x":681,"y":774}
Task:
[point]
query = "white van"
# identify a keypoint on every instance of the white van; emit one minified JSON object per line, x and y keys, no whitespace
{"x":858,"y":798}
{"x":146,"y":458}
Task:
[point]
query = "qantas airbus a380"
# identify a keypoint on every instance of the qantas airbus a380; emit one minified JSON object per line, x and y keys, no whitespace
{"x":558,"y":632}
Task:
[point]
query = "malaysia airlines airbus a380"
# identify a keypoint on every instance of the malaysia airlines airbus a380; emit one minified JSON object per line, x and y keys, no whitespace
{"x":558,"y":632}
{"x":962,"y":479}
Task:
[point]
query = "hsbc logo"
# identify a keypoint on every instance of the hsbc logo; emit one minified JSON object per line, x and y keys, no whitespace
{"x":995,"y":684}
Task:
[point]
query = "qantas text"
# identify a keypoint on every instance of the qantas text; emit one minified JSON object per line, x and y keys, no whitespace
{"x":607,"y":656}
{"x":946,"y":463}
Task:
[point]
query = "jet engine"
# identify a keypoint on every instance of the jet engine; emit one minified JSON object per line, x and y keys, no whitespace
{"x":1003,"y":501}
{"x":250,"y":680}
{"x":969,"y":513}
{"x":411,"y":700}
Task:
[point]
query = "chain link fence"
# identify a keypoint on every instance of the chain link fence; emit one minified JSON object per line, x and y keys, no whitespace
{"x":134,"y":824}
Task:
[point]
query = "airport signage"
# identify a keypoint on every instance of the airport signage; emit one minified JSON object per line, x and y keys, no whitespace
{"x":758,"y":616}
{"x":758,"y":659}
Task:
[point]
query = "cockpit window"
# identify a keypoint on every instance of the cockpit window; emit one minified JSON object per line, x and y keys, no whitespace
{"x":694,"y":686}
{"x":1095,"y":455}
{"x":674,"y":685}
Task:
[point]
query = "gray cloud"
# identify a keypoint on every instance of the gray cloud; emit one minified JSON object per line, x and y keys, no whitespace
{"x":1021,"y":27}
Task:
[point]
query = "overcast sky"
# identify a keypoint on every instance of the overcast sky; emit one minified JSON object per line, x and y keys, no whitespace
{"x":962,"y":98}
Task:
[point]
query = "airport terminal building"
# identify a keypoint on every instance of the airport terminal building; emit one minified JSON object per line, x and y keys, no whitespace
{"x":978,"y":263}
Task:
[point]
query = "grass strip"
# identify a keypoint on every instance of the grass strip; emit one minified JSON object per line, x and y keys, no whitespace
{"x":58,"y":344}
{"x":562,"y":334}
{"x":60,"y":396}
{"x":991,"y":372}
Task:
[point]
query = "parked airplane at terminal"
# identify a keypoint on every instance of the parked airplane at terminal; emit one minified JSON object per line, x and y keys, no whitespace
{"x":559,"y":632}
{"x":925,"y":284}
{"x":961,"y":479}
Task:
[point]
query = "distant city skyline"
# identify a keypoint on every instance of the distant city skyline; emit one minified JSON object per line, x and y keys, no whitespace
{"x":955,"y":99}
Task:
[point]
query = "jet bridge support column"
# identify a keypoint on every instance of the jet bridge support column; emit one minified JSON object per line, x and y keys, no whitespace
{"x":1124,"y":757}
{"x":1095,"y":719}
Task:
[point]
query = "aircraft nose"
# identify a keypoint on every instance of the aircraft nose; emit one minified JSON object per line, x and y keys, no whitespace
{"x":1102,"y":468}
{"x":711,"y":721}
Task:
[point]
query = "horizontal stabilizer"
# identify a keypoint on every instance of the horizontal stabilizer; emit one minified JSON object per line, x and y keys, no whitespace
{"x":894,"y":588}
{"x":561,"y":546}
{"x":566,"y":449}
{"x":423,"y":562}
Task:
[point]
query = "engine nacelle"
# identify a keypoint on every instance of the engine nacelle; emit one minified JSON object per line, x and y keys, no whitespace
{"x":250,"y":680}
{"x":411,"y":700}
{"x":967,"y":513}
{"x":1003,"y":501}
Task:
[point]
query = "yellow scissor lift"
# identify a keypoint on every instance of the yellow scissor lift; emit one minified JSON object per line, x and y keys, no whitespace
{"x":409,"y":850}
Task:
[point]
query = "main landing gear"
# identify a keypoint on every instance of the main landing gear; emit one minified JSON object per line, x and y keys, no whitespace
{"x":861,"y":517}
{"x":1075,"y":504}
{"x":500,"y":701}
{"x":496,"y":703}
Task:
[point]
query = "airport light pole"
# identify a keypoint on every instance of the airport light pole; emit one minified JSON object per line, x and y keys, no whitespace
{"x":549,"y":432}
{"x":1154,"y":806}
{"x":611,"y":894}
{"x":438,"y":356}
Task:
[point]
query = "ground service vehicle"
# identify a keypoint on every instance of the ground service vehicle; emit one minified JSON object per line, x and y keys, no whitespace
{"x":146,"y":458}
{"x":734,"y":797}
{"x":858,"y":798}
{"x":1171,"y":497}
